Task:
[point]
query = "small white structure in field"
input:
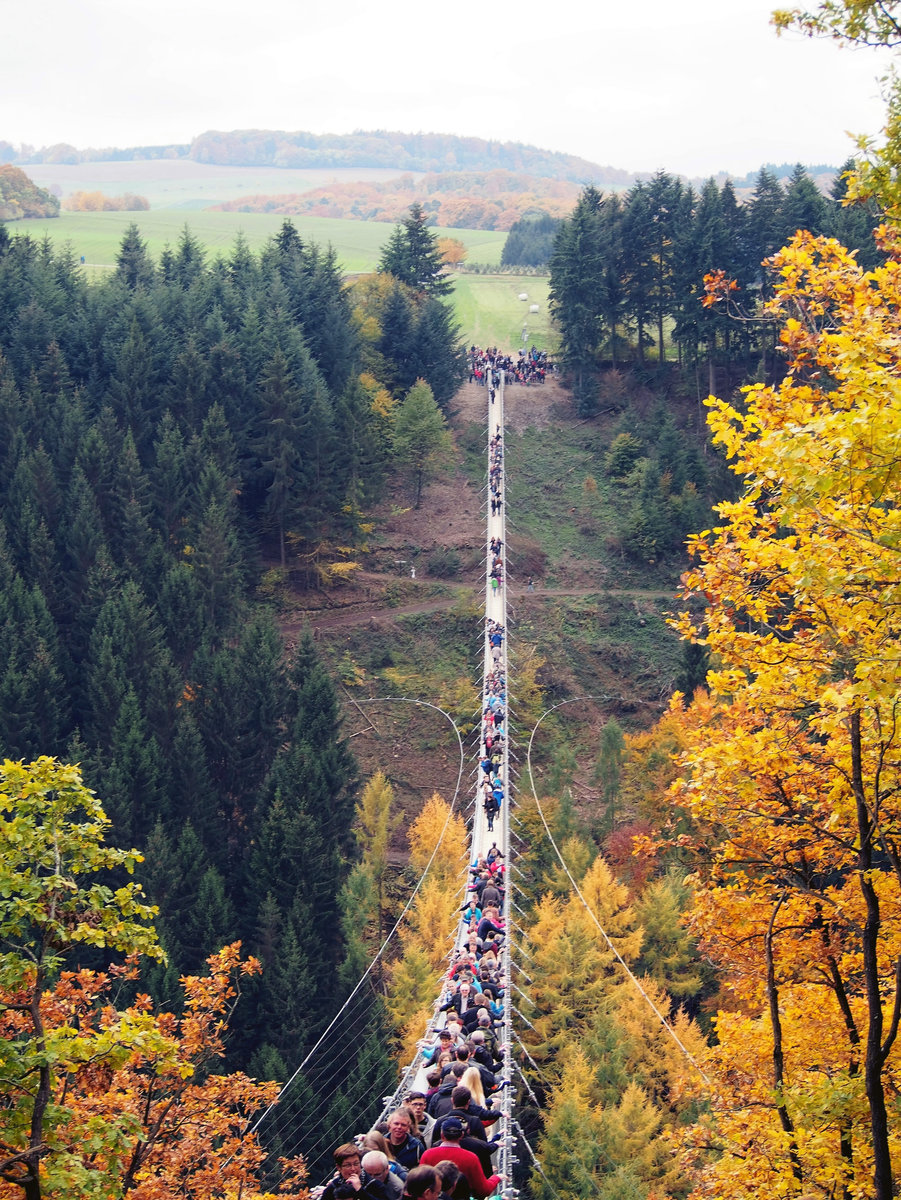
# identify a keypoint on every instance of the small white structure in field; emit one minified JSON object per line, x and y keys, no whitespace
{"x":523,"y":295}
{"x":533,"y":308}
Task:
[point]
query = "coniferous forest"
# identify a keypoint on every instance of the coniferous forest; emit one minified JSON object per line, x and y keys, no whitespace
{"x":628,"y":270}
{"x":166,"y":434}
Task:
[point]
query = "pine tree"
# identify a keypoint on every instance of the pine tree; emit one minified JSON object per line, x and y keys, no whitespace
{"x":397,"y":339}
{"x":133,"y":773}
{"x":577,"y":279}
{"x":853,"y":224}
{"x":803,"y":206}
{"x":279,"y":445}
{"x":765,"y":226}
{"x":437,"y":354}
{"x":608,"y":770}
{"x":218,"y":565}
{"x":639,"y":266}
{"x":137,"y":385}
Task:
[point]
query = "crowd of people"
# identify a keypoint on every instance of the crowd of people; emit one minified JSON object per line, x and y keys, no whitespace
{"x":525,"y":367}
{"x":437,"y":1143}
{"x":495,"y":487}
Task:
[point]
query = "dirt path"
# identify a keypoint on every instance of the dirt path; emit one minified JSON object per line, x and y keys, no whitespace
{"x":293,"y":626}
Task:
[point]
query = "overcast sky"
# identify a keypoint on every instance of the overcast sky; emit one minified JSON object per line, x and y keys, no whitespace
{"x":692,"y":86}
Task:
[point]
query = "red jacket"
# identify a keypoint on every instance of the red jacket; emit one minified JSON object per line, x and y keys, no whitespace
{"x":468,"y":1163}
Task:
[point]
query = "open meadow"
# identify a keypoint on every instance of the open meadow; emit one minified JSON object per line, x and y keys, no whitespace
{"x":491,"y":313}
{"x":96,"y":236}
{"x":487,"y":306}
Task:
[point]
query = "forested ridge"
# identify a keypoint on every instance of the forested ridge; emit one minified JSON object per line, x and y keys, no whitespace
{"x":279,"y":148}
{"x":167,"y":434}
{"x":19,"y":197}
{"x":492,"y":199}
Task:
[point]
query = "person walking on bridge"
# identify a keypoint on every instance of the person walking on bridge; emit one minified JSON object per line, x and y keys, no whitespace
{"x":449,"y":1149}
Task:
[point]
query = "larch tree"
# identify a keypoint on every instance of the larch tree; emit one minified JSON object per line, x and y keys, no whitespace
{"x":372,"y":829}
{"x":437,"y":839}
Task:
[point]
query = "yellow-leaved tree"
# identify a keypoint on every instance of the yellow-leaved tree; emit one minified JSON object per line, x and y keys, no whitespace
{"x":438,"y":842}
{"x":793,"y":765}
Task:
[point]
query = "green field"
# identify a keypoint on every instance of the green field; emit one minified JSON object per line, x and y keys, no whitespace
{"x":490,"y":312}
{"x":358,"y":244}
{"x":488,"y":308}
{"x":183,"y":184}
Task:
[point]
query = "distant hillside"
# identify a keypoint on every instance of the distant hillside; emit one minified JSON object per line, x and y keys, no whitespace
{"x":459,"y":199}
{"x":409,"y":152}
{"x":268,"y":148}
{"x":20,"y":197}
{"x":378,"y":148}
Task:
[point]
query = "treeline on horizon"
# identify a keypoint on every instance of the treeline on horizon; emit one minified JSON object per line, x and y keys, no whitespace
{"x":167,"y":433}
{"x":375,"y":148}
{"x":627,"y":272}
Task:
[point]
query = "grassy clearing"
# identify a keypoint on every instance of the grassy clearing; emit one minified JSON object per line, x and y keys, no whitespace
{"x":603,"y":645}
{"x":491,"y":314}
{"x":576,"y":526}
{"x":547,"y":500}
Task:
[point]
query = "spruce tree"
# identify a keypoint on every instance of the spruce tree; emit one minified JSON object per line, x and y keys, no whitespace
{"x":576,"y":295}
{"x":412,"y":255}
{"x":421,"y":440}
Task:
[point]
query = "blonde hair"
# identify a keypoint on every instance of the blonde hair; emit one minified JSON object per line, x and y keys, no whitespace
{"x":472,"y":1079}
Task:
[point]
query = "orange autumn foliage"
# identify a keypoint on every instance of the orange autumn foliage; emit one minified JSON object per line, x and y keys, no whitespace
{"x":144,"y":1115}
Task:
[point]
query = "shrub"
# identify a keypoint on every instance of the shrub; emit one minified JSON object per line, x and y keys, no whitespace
{"x":444,"y":563}
{"x":624,"y":452}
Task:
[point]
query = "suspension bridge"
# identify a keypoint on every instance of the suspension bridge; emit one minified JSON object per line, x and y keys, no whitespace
{"x":486,"y":795}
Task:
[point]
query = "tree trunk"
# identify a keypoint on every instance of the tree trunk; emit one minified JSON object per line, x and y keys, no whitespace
{"x":875,"y":1057}
{"x":32,"y":1185}
{"x":778,"y":1059}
